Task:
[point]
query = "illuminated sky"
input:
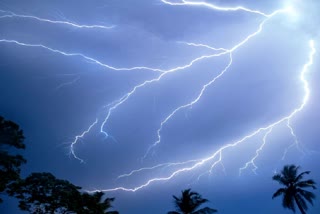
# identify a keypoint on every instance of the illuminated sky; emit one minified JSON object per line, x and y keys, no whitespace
{"x":203,"y":95}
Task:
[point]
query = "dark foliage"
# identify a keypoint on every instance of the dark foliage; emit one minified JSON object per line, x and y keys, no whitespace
{"x":293,"y":191}
{"x":42,"y":193}
{"x":91,"y":204}
{"x":11,"y":139}
{"x":189,"y":202}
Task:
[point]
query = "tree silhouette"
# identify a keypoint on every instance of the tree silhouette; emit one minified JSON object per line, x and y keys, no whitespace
{"x":42,"y":193}
{"x":91,"y":204}
{"x":11,"y":139}
{"x":189,"y":202}
{"x":294,"y":192}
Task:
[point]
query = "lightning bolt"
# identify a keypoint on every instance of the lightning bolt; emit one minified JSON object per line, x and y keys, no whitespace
{"x":205,"y":46}
{"x":217,"y":156}
{"x":214,"y":7}
{"x":147,"y":82}
{"x":252,"y":161}
{"x":212,"y":81}
{"x":163,"y":165}
{"x":87,"y":58}
{"x":187,"y":105}
{"x":95,"y":61}
{"x":67,"y":83}
{"x":129,"y":94}
{"x":125,"y":97}
{"x":9,"y":14}
{"x":294,"y":144}
{"x":183,"y":167}
{"x":77,"y":138}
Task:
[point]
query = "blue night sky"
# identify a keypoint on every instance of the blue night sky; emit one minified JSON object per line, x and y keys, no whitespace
{"x":207,"y":79}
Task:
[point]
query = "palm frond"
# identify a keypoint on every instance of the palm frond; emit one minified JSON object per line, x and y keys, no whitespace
{"x":280,"y":179}
{"x":189,"y":202}
{"x":301,"y":202}
{"x":289,"y":172}
{"x":197,"y":201}
{"x":277,"y":177}
{"x":309,"y":196}
{"x":205,"y":210}
{"x":279,"y":192}
{"x":177,"y":202}
{"x":306,"y":183}
{"x":300,"y":176}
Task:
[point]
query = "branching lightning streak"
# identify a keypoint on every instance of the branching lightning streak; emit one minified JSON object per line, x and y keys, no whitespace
{"x":187,"y":105}
{"x":14,"y":15}
{"x":214,"y":7}
{"x":147,"y":82}
{"x":125,"y":97}
{"x":205,"y":46}
{"x":67,"y":83}
{"x":90,"y":59}
{"x":189,"y":165}
{"x":211,"y":82}
{"x":79,"y":137}
{"x":218,"y":161}
{"x":219,"y":152}
{"x":295,"y":143}
{"x":164,"y":165}
{"x":252,"y":161}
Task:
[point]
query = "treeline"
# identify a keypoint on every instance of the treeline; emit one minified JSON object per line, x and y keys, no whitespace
{"x":43,"y":193}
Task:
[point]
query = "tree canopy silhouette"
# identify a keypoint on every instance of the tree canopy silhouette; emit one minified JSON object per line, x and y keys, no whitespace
{"x":189,"y":202}
{"x":11,"y":139}
{"x":92,"y":204}
{"x":293,"y":190}
{"x":42,"y":193}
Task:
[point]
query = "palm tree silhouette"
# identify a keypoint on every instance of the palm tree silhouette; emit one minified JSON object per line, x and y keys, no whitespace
{"x":293,"y":190}
{"x":189,"y":202}
{"x":94,"y":204}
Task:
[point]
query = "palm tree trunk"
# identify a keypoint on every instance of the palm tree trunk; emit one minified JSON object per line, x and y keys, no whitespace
{"x":299,"y":205}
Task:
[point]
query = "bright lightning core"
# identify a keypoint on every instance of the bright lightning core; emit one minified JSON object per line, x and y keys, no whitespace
{"x":303,"y":15}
